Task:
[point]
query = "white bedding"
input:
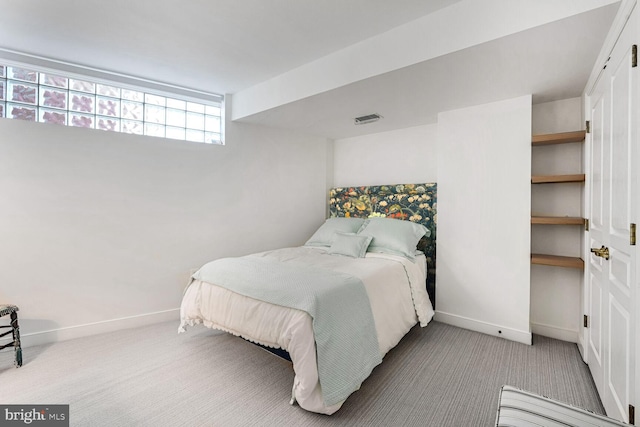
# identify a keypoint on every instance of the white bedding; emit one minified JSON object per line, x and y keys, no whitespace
{"x":395,"y":287}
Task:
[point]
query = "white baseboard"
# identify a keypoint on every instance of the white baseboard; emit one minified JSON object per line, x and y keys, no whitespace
{"x":484,"y":327}
{"x":562,"y":334}
{"x":77,"y":331}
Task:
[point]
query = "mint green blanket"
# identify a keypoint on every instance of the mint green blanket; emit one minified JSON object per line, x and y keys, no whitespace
{"x":346,"y":340}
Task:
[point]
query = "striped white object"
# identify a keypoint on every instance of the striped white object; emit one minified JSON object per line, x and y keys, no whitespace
{"x":519,"y":408}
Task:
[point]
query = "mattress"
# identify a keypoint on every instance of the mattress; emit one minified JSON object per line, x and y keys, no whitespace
{"x":395,"y":287}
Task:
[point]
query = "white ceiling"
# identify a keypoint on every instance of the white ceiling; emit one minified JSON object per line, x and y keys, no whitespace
{"x":227,"y":46}
{"x":220,"y":46}
{"x":552,"y":62}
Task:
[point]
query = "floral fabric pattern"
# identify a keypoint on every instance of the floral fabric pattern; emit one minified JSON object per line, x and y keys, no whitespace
{"x":409,"y":202}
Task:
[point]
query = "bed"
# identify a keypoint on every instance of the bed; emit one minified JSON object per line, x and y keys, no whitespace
{"x":337,"y":304}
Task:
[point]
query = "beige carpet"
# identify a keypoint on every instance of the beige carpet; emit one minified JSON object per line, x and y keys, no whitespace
{"x":151,"y":376}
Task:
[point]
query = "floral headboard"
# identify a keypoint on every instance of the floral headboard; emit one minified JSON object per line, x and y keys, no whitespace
{"x":411,"y":202}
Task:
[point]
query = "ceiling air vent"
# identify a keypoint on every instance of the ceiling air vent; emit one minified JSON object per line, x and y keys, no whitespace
{"x":369,"y":118}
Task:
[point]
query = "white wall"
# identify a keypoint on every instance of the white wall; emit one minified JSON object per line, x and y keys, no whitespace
{"x":556,"y":292}
{"x":403,"y":156}
{"x":484,"y":202}
{"x":97,"y":226}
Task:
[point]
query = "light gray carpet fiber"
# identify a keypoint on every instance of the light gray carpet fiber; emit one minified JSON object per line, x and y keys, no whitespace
{"x":151,"y":376}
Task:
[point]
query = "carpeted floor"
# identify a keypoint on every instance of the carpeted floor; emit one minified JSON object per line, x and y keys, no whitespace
{"x":151,"y":376}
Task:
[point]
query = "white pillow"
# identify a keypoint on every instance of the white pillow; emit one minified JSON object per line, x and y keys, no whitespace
{"x":394,"y":236}
{"x":350,"y":244}
{"x":324,"y":235}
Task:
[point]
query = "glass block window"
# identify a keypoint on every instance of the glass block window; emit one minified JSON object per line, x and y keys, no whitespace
{"x":32,"y":95}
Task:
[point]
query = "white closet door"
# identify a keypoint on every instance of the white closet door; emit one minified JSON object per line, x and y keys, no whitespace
{"x":611,"y":283}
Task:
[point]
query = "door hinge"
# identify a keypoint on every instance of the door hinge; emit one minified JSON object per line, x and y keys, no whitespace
{"x":632,"y":415}
{"x":588,"y":126}
{"x":634,"y":55}
{"x":586,"y":224}
{"x":632,"y":234}
{"x":585,"y":321}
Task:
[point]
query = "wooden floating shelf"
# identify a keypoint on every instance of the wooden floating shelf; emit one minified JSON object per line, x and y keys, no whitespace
{"x":550,"y":179}
{"x":557,"y":220}
{"x":558,"y":138}
{"x":551,"y":139}
{"x":557,"y":261}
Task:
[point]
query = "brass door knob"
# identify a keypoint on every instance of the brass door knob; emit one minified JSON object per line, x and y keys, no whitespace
{"x":603,"y":252}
